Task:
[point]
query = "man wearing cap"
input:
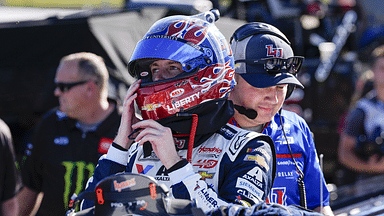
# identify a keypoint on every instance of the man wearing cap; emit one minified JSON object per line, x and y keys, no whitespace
{"x":265,"y":72}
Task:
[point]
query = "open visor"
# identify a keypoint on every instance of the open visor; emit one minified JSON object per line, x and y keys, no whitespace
{"x":166,"y":47}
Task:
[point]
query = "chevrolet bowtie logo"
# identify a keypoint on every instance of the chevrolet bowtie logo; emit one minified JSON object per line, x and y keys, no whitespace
{"x":150,"y":107}
{"x":205,"y":175}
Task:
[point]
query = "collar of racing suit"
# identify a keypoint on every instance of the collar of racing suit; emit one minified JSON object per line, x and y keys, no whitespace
{"x":212,"y":115}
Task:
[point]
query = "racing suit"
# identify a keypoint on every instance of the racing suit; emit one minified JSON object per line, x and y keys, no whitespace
{"x":231,"y":165}
{"x":285,"y":188}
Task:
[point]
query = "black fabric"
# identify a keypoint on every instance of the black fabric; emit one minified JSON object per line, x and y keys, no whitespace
{"x":147,"y":149}
{"x":178,"y":165}
{"x":59,"y":160}
{"x":119,"y":147}
{"x":212,"y":116}
{"x":10,"y":181}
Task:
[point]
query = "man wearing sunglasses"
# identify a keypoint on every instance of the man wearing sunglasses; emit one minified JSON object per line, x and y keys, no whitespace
{"x":265,"y":72}
{"x":64,"y":148}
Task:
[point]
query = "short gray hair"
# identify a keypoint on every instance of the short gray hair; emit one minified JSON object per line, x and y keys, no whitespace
{"x":90,"y":65}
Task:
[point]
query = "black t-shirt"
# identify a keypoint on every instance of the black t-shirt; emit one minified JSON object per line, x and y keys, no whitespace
{"x":60,"y":158}
{"x":10,"y":181}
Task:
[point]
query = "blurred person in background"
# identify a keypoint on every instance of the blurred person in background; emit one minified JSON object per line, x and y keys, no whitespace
{"x":66,"y":144}
{"x":10,"y":181}
{"x":361,"y":141}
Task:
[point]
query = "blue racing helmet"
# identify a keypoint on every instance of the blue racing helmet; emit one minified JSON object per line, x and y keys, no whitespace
{"x":204,"y":54}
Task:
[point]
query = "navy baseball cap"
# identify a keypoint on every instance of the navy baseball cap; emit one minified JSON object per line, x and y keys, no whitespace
{"x":257,"y":41}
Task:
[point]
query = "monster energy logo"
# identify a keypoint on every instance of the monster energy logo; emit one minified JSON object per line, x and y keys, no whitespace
{"x":70,"y":167}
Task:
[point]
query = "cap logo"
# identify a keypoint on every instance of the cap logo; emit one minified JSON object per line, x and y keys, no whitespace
{"x":274,"y":52}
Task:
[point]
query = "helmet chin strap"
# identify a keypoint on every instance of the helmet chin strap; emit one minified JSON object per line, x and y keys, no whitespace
{"x":250,"y":113}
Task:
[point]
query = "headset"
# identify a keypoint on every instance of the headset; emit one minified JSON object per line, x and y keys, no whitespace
{"x":257,"y":28}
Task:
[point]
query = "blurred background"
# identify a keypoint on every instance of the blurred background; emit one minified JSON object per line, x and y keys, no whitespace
{"x":336,"y":38}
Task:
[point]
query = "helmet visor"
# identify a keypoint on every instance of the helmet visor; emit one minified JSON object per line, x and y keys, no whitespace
{"x":166,"y":47}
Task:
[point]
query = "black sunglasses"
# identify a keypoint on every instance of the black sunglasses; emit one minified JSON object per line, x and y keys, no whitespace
{"x":64,"y":87}
{"x":274,"y":65}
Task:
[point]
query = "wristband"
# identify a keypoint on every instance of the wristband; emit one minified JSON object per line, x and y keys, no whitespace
{"x":178,"y":165}
{"x":115,"y":145}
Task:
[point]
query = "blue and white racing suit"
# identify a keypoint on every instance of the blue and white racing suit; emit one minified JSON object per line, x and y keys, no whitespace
{"x":285,"y":188}
{"x":231,"y":166}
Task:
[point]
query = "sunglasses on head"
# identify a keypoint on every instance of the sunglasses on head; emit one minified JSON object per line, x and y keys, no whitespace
{"x":64,"y":87}
{"x":275,"y":65}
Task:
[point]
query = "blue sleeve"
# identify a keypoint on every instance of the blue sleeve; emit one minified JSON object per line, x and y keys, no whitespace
{"x":245,"y":179}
